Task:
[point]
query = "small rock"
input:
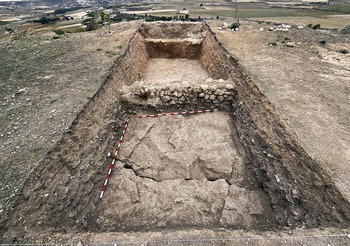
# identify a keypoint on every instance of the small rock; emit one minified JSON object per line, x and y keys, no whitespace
{"x":291,"y":44}
{"x":79,"y":244}
{"x":271,"y":29}
{"x":229,"y":87}
{"x":221,"y":81}
{"x":212,"y":97}
{"x":209,"y":80}
{"x":300,"y":27}
{"x":212,"y":88}
{"x":277,"y":179}
{"x":204,"y":87}
{"x":221,"y":98}
{"x":262,"y":29}
{"x":206,"y":97}
{"x":21,"y":91}
{"x":166,"y":98}
{"x":172,"y":102}
{"x":178,"y":93}
{"x":201,"y":95}
{"x":219,"y":92}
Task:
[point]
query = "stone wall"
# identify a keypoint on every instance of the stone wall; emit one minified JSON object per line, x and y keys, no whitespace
{"x":216,"y":92}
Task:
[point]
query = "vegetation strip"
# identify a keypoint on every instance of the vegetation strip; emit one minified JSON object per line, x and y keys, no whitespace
{"x":115,"y":157}
{"x":187,"y":112}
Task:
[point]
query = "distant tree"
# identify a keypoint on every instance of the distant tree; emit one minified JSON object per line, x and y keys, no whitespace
{"x":103,"y":16}
{"x":187,"y":16}
{"x":236,"y":23}
{"x":44,"y":20}
{"x":105,"y":20}
{"x":90,"y":24}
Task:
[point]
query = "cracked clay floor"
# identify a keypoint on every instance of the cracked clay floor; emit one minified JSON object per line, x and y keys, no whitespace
{"x":182,"y":171}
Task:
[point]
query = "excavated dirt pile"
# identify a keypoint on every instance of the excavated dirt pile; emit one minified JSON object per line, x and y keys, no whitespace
{"x":237,"y":168}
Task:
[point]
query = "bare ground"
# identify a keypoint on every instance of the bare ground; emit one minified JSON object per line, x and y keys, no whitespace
{"x":290,"y":97}
{"x":44,"y":83}
{"x":308,"y":85}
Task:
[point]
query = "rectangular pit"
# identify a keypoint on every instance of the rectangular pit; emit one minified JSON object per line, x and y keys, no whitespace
{"x":268,"y":182}
{"x":184,"y":171}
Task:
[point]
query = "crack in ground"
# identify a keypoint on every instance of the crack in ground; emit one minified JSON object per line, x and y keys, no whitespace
{"x":203,"y":167}
{"x":130,"y":167}
{"x":171,"y":144}
{"x":127,"y":158}
{"x":223,"y":207}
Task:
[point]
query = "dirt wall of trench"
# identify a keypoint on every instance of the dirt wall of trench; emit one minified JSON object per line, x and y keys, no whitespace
{"x":301,"y":192}
{"x":63,"y":189}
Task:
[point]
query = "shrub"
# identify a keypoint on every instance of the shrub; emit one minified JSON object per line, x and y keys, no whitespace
{"x":234,"y":26}
{"x":119,"y":46}
{"x":59,"y":32}
{"x":344,"y":51}
{"x":55,"y":37}
{"x":309,"y":25}
{"x":91,"y":14}
{"x":90,"y":24}
{"x":110,"y":53}
{"x":8,"y":29}
{"x":273,"y":43}
{"x":44,"y":20}
{"x":317,"y":26}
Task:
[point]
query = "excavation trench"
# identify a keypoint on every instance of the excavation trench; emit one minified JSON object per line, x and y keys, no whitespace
{"x":236,"y":168}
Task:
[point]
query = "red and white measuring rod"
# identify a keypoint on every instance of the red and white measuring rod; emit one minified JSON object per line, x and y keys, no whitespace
{"x":115,"y":157}
{"x":187,"y":112}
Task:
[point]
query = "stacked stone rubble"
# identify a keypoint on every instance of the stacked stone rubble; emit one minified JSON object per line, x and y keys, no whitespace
{"x":216,"y":93}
